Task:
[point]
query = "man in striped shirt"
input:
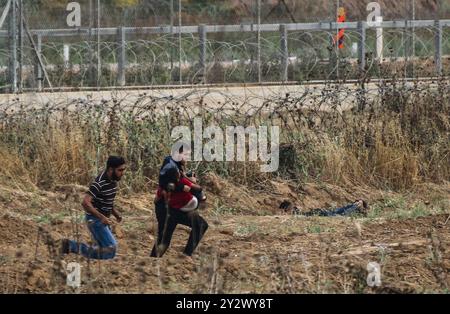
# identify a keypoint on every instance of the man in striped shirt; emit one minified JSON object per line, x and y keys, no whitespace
{"x":99,"y":206}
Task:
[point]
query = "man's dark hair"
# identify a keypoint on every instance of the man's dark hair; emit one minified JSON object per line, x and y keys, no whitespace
{"x":115,"y":162}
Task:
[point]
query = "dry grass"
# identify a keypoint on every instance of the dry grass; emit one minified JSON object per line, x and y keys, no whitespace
{"x":394,"y":141}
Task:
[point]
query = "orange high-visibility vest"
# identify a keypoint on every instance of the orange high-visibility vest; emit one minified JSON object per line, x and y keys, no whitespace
{"x":341,"y":19}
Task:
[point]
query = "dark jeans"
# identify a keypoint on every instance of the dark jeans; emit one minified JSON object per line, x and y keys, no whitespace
{"x":168,"y":221}
{"x":343,"y":211}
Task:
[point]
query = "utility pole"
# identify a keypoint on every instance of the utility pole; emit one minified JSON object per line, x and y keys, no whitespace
{"x":172,"y":37}
{"x":21,"y":50}
{"x":91,"y":53}
{"x":258,"y":38}
{"x":17,"y":30}
{"x":99,"y":58}
{"x":410,"y":12}
{"x":440,"y":14}
{"x":414,"y":18}
{"x":338,"y":4}
{"x":5,"y":13}
{"x":179,"y":41}
{"x":413,"y":34}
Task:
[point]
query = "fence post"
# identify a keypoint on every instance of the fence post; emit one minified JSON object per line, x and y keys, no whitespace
{"x":66,"y":55}
{"x":438,"y":47}
{"x":409,"y":58}
{"x":332,"y":55}
{"x":284,"y":53}
{"x":99,"y":54}
{"x":362,"y":45}
{"x":12,"y":37}
{"x":379,"y":44}
{"x":202,"y":37}
{"x":39,"y":76}
{"x":122,"y":58}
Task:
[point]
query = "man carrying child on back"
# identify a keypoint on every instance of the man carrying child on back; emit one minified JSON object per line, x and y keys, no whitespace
{"x":176,"y":202}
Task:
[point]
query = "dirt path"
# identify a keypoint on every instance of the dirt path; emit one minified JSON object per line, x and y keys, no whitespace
{"x":343,"y":95}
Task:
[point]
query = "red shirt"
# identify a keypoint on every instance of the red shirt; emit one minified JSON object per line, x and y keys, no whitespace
{"x":179,"y":199}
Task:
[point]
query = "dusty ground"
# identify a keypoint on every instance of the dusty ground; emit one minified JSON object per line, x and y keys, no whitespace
{"x":251,"y":245}
{"x":209,"y":98}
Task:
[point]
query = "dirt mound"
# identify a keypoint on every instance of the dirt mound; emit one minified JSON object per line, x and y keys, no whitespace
{"x":305,"y":196}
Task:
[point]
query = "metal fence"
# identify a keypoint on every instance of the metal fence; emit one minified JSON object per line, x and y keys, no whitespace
{"x":40,"y":58}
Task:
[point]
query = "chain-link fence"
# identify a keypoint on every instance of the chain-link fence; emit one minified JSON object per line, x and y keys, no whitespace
{"x":149,"y":42}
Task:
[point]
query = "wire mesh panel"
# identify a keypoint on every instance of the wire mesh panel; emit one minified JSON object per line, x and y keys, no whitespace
{"x":446,"y":52}
{"x":4,"y":62}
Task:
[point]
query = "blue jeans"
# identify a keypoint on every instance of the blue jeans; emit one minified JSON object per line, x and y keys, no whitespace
{"x":106,"y":243}
{"x":343,"y":211}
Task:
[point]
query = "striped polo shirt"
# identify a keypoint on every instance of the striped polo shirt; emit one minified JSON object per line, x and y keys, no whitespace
{"x":103,"y":190}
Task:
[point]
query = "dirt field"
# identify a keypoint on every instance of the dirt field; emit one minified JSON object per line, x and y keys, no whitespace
{"x":251,"y":245}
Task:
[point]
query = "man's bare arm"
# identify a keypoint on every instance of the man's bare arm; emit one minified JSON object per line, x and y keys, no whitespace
{"x":116,"y":214}
{"x":87,"y":205}
{"x":193,"y":188}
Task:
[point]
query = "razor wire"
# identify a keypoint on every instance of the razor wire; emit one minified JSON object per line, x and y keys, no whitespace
{"x":230,"y":59}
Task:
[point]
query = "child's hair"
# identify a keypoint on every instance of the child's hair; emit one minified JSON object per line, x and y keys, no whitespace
{"x":169,"y":177}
